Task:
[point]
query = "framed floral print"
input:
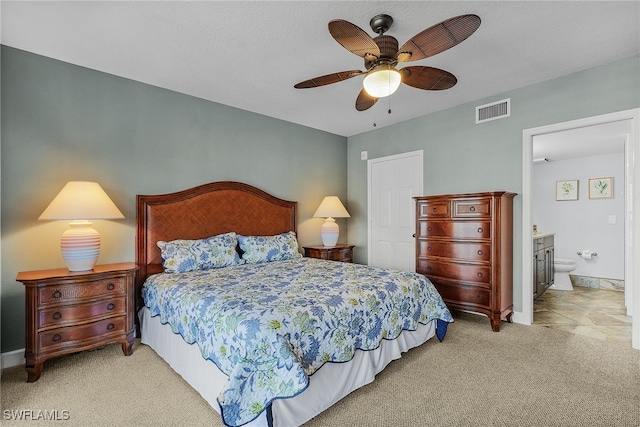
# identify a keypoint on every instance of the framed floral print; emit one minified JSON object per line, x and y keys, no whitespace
{"x":601,"y":188}
{"x":567,"y":190}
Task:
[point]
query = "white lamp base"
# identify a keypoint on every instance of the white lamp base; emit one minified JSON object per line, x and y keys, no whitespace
{"x":80,"y":246}
{"x":329,"y":233}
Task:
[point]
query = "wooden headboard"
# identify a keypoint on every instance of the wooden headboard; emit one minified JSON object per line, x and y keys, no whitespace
{"x":204,"y":211}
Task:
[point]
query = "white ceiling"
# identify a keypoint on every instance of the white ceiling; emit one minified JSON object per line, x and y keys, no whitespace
{"x":249,"y":54}
{"x":584,"y":141}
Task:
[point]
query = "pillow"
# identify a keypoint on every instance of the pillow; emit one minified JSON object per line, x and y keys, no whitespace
{"x":180,"y":256}
{"x":269,"y":248}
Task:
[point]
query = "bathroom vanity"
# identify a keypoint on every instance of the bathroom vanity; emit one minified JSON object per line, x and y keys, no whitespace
{"x":543,"y":255}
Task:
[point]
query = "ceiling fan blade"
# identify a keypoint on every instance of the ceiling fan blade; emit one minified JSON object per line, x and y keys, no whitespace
{"x":354,"y":39}
{"x":328,"y":79}
{"x":365,"y":101}
{"x":438,"y":38}
{"x":427,"y":78}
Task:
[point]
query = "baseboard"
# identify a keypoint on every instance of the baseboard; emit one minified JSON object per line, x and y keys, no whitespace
{"x":13,"y":358}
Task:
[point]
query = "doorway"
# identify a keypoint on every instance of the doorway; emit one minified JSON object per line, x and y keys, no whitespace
{"x":580,"y":223}
{"x":632,"y":203}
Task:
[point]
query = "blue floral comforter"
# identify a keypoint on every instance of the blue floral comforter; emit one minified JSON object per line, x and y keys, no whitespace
{"x":268,"y":326}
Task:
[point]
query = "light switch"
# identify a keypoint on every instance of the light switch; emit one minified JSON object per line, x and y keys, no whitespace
{"x":612,"y":219}
{"x":364,"y":155}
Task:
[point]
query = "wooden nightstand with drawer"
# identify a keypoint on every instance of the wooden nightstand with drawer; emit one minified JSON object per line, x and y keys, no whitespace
{"x":72,"y":311}
{"x":339,"y":252}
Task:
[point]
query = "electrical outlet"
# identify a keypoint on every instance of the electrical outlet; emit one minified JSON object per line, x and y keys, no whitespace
{"x":364,"y":155}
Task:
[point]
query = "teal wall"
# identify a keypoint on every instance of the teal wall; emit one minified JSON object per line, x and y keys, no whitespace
{"x":61,"y":122}
{"x":461,"y":156}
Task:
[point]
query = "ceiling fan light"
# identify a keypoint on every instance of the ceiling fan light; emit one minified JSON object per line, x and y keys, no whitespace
{"x":382,"y":82}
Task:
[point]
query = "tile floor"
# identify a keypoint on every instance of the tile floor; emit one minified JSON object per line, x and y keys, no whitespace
{"x":598,"y":313}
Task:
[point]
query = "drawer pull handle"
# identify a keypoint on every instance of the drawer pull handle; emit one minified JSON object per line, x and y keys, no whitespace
{"x":111,"y":306}
{"x":110,"y":326}
{"x":111,"y":286}
{"x":56,"y":337}
{"x":57,"y":315}
{"x":472,"y":208}
{"x":480,"y":230}
{"x":429,"y":248}
{"x":429,"y":229}
{"x":428,"y":268}
{"x":57,"y":294}
{"x":480,"y":252}
{"x":479,"y":274}
{"x":435,"y":209}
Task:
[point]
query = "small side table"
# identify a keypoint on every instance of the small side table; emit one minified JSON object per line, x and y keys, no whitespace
{"x":339,"y":252}
{"x":72,"y":311}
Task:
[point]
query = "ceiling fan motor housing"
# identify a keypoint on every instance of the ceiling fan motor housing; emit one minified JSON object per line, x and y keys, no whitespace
{"x":388,"y":49}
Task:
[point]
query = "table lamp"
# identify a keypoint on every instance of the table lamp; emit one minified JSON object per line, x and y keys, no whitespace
{"x":330,"y":208}
{"x":80,"y":201}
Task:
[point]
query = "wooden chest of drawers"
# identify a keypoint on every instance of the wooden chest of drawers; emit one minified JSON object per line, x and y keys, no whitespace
{"x":72,"y":311}
{"x":464,"y":245}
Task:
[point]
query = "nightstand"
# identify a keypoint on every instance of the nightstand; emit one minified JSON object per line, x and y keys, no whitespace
{"x":72,"y":311}
{"x":339,"y":252}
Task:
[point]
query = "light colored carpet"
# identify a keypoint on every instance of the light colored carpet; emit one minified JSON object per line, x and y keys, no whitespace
{"x":521,"y":376}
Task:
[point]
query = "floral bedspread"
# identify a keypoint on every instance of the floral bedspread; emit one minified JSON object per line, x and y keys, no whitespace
{"x":268,"y":326}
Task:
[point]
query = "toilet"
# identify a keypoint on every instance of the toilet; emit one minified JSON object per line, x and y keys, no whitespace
{"x":561,"y":269}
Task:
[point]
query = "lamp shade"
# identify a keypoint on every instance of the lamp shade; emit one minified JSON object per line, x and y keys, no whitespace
{"x":330,"y":208}
{"x":382,"y":81}
{"x":80,"y":201}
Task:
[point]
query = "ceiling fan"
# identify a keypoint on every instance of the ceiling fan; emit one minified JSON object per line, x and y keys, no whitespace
{"x":381,"y":55}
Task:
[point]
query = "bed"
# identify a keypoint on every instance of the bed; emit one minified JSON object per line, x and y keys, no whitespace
{"x":266,"y":336}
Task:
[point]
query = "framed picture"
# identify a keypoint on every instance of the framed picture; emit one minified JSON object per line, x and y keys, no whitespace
{"x":567,"y":190}
{"x":601,"y":188}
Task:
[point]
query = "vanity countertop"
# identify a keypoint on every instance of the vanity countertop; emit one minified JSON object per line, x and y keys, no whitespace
{"x":541,"y":235}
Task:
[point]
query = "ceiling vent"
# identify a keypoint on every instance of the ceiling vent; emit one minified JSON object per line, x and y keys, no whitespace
{"x":495,"y":110}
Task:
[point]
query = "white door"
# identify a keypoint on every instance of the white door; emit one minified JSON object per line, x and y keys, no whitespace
{"x":393,"y":182}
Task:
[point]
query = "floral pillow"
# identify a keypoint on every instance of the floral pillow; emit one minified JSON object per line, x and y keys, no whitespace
{"x":269,"y":248}
{"x":180,"y":256}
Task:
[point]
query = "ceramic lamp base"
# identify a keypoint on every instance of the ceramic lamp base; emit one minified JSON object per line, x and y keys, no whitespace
{"x":329,"y":233}
{"x":80,"y":246}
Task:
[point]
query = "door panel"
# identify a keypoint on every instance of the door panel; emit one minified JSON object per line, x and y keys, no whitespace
{"x":393,"y":182}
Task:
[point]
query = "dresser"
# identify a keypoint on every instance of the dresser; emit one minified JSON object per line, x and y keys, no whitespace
{"x":464,"y":245}
{"x":339,"y":252}
{"x":73,"y":311}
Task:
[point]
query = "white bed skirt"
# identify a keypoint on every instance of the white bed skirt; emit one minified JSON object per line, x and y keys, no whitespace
{"x":329,"y":384}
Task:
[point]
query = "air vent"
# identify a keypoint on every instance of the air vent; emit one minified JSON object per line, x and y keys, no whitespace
{"x":493,"y":111}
